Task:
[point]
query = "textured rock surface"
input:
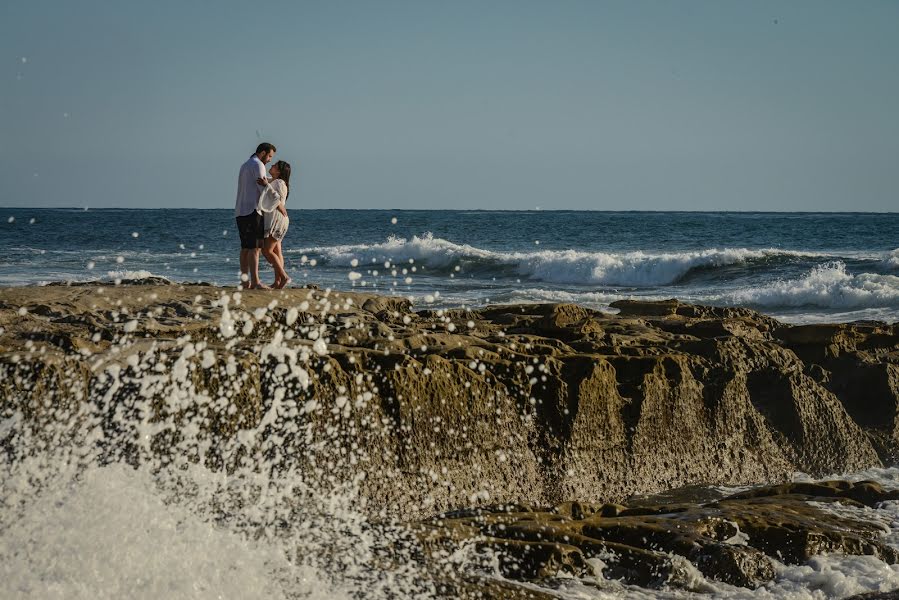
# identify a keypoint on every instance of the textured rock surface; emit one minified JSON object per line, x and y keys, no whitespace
{"x":533,"y":404}
{"x":731,"y":540}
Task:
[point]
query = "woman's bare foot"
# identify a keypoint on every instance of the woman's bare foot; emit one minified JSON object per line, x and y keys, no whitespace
{"x":283,"y":283}
{"x":261,"y":286}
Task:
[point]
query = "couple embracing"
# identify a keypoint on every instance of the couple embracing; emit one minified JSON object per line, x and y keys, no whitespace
{"x":261,"y":216}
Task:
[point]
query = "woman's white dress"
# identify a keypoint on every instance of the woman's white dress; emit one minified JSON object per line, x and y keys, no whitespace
{"x":274,"y":195}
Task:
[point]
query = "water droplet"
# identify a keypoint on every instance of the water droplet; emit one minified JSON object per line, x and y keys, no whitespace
{"x":135,"y":234}
{"x":393,"y":220}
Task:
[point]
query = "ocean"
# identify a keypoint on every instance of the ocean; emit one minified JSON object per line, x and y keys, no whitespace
{"x":799,"y":267}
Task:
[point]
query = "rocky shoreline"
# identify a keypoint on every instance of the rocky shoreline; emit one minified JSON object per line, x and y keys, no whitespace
{"x":499,"y":411}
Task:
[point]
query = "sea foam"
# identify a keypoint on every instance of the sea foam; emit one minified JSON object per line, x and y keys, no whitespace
{"x":629,"y":269}
{"x":828,"y":286}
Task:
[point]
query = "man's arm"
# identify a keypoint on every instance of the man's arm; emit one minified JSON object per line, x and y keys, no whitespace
{"x":260,"y":175}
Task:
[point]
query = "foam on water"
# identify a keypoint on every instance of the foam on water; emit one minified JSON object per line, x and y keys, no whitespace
{"x":892,"y":260}
{"x":635,"y":269}
{"x":827,"y":286}
{"x":111,"y":534}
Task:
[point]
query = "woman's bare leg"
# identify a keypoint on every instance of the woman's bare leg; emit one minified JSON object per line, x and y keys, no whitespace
{"x":286,"y":279}
{"x":273,"y":258}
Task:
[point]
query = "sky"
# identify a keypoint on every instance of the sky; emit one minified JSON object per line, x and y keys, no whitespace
{"x":429,"y":104}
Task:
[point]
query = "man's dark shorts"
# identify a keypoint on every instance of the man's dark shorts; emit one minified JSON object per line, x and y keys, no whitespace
{"x":251,"y":228}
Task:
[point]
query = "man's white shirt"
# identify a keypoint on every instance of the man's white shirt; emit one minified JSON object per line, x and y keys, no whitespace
{"x":247,"y":189}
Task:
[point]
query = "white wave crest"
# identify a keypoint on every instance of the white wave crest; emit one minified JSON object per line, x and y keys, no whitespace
{"x":634,"y":269}
{"x":125,"y":274}
{"x":892,"y":260}
{"x":827,"y":286}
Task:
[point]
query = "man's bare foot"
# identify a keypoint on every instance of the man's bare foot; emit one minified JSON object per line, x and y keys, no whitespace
{"x":261,"y":286}
{"x":283,"y":283}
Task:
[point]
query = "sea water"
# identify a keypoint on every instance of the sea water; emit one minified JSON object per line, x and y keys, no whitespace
{"x":800,"y":267}
{"x":76,"y":522}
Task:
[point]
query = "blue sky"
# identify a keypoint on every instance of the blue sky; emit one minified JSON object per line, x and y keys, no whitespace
{"x":626,"y":105}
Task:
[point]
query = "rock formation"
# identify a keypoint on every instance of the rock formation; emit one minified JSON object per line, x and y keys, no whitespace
{"x":499,"y":411}
{"x":441,"y":409}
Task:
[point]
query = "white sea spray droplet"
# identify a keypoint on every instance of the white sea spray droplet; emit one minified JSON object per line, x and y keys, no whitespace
{"x":11,"y":220}
{"x":120,"y":259}
{"x":320,"y":347}
{"x":90,"y":264}
{"x":135,"y":234}
{"x":353,"y":275}
{"x":208,"y":359}
{"x":354,"y":262}
{"x":130,"y":326}
{"x":393,"y":221}
{"x":292,"y":314}
{"x":226,"y":324}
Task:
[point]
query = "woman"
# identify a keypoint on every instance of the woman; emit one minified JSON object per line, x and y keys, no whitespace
{"x":272,"y":203}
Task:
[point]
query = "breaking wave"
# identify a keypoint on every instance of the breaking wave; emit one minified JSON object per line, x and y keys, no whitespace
{"x":629,"y":269}
{"x":828,"y":286}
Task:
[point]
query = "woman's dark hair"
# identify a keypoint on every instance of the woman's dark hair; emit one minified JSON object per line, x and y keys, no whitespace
{"x":284,"y":173}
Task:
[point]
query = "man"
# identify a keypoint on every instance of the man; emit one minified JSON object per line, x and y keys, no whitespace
{"x":249,"y":219}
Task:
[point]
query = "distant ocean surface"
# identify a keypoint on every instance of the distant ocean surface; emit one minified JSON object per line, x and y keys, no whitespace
{"x":800,"y":267}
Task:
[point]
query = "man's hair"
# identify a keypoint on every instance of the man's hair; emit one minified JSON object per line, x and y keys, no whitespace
{"x":265,"y":147}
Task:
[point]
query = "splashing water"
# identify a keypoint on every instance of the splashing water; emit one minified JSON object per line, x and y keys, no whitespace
{"x":144,"y":481}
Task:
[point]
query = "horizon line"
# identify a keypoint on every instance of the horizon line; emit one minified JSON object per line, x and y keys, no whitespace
{"x":484,"y":210}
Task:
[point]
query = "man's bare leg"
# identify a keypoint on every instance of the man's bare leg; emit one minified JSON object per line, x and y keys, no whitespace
{"x":245,"y":267}
{"x":255,"y":283}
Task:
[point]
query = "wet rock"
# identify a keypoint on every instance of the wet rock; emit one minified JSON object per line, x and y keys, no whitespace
{"x":731,"y":540}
